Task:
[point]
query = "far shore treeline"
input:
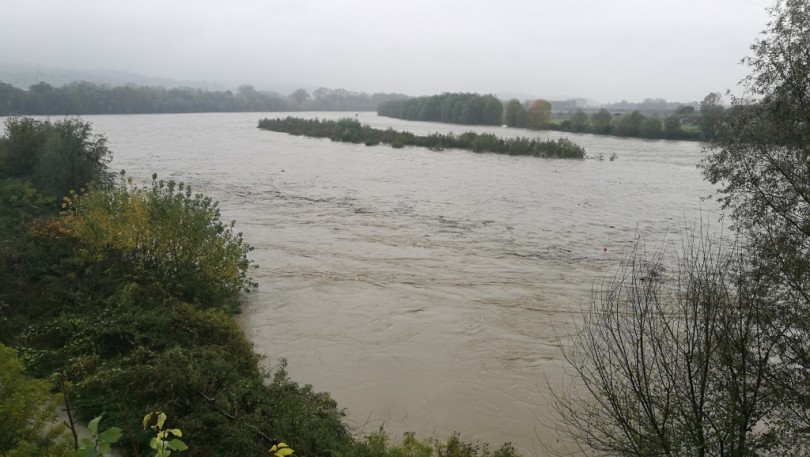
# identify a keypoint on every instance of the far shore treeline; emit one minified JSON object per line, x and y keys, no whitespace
{"x":651,"y":119}
{"x":79,"y":98}
{"x":352,"y":131}
{"x":683,"y":123}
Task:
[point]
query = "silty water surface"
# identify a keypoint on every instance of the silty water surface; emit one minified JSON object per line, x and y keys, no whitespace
{"x":424,"y":290}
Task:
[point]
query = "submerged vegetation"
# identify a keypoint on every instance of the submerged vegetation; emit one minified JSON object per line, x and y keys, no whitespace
{"x":352,"y":131}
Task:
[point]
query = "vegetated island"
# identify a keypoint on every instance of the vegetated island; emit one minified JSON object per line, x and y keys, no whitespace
{"x":352,"y":131}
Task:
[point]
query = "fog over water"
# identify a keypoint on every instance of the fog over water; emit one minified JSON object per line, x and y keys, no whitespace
{"x":604,"y":51}
{"x":425,"y":290}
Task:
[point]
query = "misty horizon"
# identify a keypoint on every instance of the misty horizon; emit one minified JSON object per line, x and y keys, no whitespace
{"x":627,"y":50}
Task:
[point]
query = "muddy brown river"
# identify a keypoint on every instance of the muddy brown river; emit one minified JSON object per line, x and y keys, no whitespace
{"x":426,"y":291}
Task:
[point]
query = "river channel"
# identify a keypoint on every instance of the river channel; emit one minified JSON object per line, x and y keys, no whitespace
{"x":425,"y":291}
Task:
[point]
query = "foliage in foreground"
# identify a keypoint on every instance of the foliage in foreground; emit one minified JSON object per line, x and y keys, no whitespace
{"x":56,"y":157}
{"x":760,"y":162}
{"x":27,"y":413}
{"x":125,"y":296}
{"x":379,"y":445}
{"x":351,"y":131}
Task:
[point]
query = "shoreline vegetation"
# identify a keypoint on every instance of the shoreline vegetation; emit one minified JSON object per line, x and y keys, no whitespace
{"x":352,"y":131}
{"x":81,"y":98}
{"x":117,"y":300}
{"x":682,"y":123}
{"x":651,"y":119}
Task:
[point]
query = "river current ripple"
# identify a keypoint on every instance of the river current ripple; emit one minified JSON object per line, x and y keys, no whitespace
{"x":426,"y":291}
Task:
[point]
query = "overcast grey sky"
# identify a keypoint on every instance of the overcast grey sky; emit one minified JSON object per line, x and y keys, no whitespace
{"x":605,"y":50}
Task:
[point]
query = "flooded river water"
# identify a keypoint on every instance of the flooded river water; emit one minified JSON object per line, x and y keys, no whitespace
{"x":425,"y":290}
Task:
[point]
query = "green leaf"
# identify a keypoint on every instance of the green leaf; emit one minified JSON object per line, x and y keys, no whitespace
{"x":146,"y":420}
{"x":111,"y":435}
{"x":176,"y":432}
{"x":87,"y":452}
{"x":93,"y":425}
{"x":161,"y":419}
{"x":177,"y":445}
{"x":153,"y":443}
{"x":284,"y":452}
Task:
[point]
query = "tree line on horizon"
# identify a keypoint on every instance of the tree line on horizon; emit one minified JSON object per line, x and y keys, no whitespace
{"x":79,"y":98}
{"x":683,"y":123}
{"x":83,"y":97}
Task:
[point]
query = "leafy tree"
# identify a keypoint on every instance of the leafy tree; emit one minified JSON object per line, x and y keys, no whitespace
{"x":672,"y":127}
{"x":538,"y":116}
{"x":299,"y":97}
{"x":600,"y":121}
{"x":514,"y":114}
{"x":579,"y":121}
{"x":164,"y":231}
{"x":651,"y":128}
{"x":761,"y":162}
{"x":58,"y":157}
{"x":492,"y":111}
{"x":711,"y":112}
{"x":630,"y":124}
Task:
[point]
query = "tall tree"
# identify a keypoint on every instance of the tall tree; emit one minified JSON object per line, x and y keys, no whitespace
{"x":492,"y":112}
{"x":630,"y":124}
{"x":651,"y":128}
{"x":600,"y":121}
{"x":538,"y":114}
{"x":672,"y":127}
{"x":579,"y":121}
{"x":761,"y":163}
{"x":514,"y":114}
{"x":56,"y":156}
{"x":299,"y":97}
{"x":711,"y":112}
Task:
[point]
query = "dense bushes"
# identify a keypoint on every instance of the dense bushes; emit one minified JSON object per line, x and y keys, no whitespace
{"x":55,"y":156}
{"x":166,"y":232}
{"x":350,"y":130}
{"x":26,"y":413}
{"x":125,"y":295}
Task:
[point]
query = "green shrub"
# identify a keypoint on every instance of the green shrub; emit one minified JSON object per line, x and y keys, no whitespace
{"x":27,"y":414}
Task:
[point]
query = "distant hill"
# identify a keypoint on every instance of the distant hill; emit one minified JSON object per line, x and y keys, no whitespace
{"x":23,"y":75}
